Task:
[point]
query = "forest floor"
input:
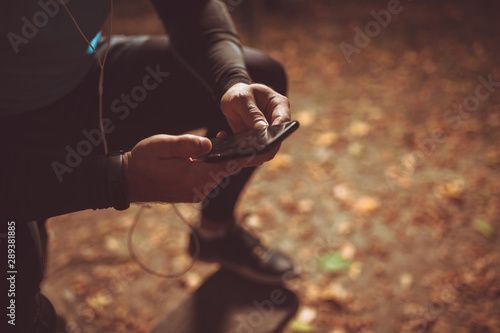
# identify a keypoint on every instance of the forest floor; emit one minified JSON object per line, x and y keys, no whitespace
{"x":387,"y":197}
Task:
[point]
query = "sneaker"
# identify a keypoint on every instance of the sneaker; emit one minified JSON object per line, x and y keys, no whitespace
{"x":241,"y":252}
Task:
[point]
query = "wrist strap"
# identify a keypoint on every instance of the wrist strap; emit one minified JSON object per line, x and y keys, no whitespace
{"x":117,"y":185}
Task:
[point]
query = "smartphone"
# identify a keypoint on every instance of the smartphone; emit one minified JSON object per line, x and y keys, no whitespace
{"x":248,"y":143}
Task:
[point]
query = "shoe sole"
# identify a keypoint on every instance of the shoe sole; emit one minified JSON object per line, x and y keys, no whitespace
{"x":251,"y":275}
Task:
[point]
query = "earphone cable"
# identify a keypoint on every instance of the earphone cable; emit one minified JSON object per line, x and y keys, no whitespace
{"x":101,"y":66}
{"x":149,"y":270}
{"x":105,"y":145}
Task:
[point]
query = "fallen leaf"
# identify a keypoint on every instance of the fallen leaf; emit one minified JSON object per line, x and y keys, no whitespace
{"x":336,"y":291}
{"x":113,"y":244}
{"x":288,"y":202}
{"x":343,"y":193}
{"x":302,"y":323}
{"x":280,"y":161}
{"x":348,"y":251}
{"x":305,"y":206}
{"x":484,"y":228}
{"x":253,"y":221}
{"x":343,"y":228}
{"x":306,"y":117}
{"x":405,"y":280}
{"x":355,"y":149}
{"x":99,"y":299}
{"x":312,"y":292}
{"x":338,"y":330}
{"x":492,"y":159}
{"x":325,"y":139}
{"x":359,"y":129}
{"x":355,"y":270}
{"x":121,"y":311}
{"x":307,"y":315}
{"x":333,"y":262}
{"x":366,"y":204}
{"x":413,"y":310}
{"x":297,"y":327}
{"x":454,"y":189}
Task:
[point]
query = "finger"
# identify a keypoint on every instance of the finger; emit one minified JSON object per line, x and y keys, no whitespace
{"x":186,"y":146}
{"x":277,"y":106}
{"x":253,"y":117}
{"x":246,"y":107}
{"x":221,"y":134}
{"x":281,"y":112}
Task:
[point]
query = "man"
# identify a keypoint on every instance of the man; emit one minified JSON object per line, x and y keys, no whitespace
{"x":52,"y":150}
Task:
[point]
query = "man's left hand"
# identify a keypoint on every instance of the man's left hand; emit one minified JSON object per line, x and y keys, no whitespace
{"x":254,"y":106}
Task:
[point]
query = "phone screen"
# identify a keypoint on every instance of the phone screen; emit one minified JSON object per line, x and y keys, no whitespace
{"x":248,"y":143}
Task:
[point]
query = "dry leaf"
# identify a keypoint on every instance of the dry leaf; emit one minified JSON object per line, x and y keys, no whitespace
{"x":325,"y":139}
{"x":405,"y":280}
{"x":99,"y":299}
{"x":343,"y":193}
{"x":306,"y":117}
{"x":355,"y":270}
{"x":338,"y":330}
{"x":343,"y":228}
{"x":355,"y":149}
{"x":288,"y":202}
{"x":280,"y":161}
{"x":305,"y":206}
{"x":253,"y":221}
{"x":359,"y":129}
{"x":312,"y":292}
{"x":113,"y":244}
{"x":307,"y":315}
{"x":348,"y":251}
{"x":454,"y":189}
{"x":413,"y":310}
{"x":336,"y":291}
{"x":366,"y":204}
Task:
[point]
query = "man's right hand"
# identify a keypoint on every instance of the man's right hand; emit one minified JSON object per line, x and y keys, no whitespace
{"x":161,"y":169}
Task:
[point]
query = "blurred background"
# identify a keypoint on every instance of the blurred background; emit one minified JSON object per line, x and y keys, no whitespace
{"x":388,"y":196}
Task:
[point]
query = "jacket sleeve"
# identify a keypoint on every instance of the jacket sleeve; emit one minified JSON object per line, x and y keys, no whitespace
{"x":204,"y":36}
{"x":31,"y":188}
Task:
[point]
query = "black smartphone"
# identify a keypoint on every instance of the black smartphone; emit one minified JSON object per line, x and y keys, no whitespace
{"x":248,"y":143}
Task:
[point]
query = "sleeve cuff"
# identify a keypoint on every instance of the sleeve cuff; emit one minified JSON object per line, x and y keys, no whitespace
{"x":234,"y":79}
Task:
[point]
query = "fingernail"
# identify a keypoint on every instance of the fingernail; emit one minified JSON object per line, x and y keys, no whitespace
{"x":261,"y":124}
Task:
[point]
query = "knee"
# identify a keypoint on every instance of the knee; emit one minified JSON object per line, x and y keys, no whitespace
{"x":266,"y":70}
{"x":278,"y":73}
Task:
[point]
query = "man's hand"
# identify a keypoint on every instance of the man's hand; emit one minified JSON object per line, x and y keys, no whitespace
{"x":161,"y":169}
{"x":254,"y":106}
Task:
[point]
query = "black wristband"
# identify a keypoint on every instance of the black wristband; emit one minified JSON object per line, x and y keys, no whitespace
{"x":117,"y":185}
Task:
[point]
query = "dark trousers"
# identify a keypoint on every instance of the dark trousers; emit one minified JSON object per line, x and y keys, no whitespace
{"x":180,"y":102}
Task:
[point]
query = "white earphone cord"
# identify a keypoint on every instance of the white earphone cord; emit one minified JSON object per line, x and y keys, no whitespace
{"x":105,"y":145}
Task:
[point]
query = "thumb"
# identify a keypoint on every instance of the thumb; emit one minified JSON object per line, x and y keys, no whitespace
{"x":185,"y":146}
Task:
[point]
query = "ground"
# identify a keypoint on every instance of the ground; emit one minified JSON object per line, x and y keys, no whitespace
{"x":387,"y":198}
